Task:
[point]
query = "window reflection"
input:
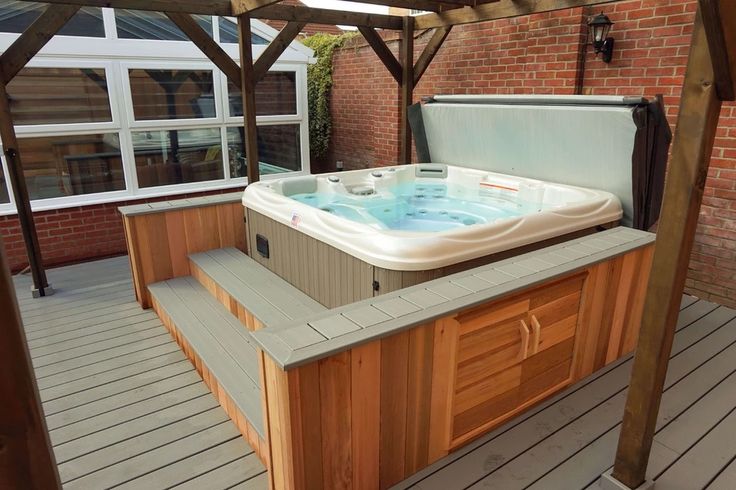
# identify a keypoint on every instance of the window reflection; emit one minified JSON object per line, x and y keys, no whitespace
{"x":177,"y":156}
{"x":59,"y":96}
{"x":71,"y":165}
{"x":279,"y":149}
{"x":172,"y":94}
{"x":275,"y":95}
{"x":16,"y":16}
{"x":140,"y":24}
{"x":229,"y":33}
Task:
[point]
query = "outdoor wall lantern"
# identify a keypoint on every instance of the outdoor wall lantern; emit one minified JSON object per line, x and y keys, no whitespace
{"x":599,"y":26}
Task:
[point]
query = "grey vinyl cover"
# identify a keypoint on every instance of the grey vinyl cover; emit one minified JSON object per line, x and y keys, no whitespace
{"x":616,"y":144}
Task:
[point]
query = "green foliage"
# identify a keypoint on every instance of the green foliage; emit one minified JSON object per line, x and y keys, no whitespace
{"x":319,"y":85}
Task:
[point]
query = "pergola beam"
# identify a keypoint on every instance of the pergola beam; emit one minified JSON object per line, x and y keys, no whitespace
{"x":205,"y":7}
{"x":383,"y":52}
{"x":207,"y":45}
{"x":245,"y":6}
{"x":697,"y":121}
{"x":35,"y":37}
{"x":288,"y":33}
{"x":330,"y":17}
{"x":430,"y":50}
{"x":498,"y":10}
{"x":429,"y":5}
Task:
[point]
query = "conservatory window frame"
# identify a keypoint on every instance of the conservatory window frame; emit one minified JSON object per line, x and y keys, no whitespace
{"x":115,"y":57}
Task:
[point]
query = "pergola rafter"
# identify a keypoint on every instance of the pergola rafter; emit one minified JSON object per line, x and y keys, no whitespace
{"x":710,"y":79}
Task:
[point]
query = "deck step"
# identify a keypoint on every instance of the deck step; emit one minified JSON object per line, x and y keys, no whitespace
{"x":259,"y":292}
{"x":214,"y":340}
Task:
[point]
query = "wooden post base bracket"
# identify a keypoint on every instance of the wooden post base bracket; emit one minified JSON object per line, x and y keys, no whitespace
{"x":39,"y":292}
{"x":608,"y":482}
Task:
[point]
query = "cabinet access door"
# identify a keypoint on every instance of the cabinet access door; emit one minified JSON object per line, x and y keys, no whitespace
{"x":512,"y":353}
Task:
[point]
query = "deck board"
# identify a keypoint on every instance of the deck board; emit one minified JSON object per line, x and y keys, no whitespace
{"x":123,"y":404}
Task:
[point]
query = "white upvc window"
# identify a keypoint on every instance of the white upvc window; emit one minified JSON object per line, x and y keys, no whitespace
{"x":154,"y":117}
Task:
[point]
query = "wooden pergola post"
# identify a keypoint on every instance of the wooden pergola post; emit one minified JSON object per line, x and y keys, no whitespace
{"x":406,"y":58}
{"x":22,"y":200}
{"x":691,"y":151}
{"x":26,"y":459}
{"x":248,"y":88}
{"x":12,"y":61}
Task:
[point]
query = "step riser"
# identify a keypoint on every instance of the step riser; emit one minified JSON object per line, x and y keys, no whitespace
{"x":259,"y":445}
{"x":232,"y":305}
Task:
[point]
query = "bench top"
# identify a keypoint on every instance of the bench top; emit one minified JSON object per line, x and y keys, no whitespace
{"x":320,"y":335}
{"x":175,"y":204}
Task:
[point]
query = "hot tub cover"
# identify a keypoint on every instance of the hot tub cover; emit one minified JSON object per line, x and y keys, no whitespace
{"x":613,"y":143}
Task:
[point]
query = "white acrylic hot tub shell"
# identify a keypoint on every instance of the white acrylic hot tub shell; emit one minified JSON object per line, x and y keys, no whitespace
{"x":413,"y":251}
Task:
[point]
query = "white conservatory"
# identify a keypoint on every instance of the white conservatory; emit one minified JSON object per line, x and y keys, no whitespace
{"x":120,"y":106}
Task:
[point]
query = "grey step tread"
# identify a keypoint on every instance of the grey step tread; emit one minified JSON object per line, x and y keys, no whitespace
{"x":219,"y":340}
{"x":267,"y":296}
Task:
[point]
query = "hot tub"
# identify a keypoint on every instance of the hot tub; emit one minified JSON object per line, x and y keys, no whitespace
{"x":377,"y":230}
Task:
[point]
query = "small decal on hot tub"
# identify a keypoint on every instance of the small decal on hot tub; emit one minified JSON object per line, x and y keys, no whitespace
{"x":295,"y":220}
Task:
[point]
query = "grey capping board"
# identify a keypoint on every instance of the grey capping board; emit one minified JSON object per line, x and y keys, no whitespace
{"x":176,"y":204}
{"x":423,"y":303}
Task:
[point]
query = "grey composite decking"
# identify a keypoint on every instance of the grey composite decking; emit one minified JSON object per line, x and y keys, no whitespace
{"x":146,"y":413}
{"x":124,"y":407}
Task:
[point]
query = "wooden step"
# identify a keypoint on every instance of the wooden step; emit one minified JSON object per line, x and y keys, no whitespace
{"x":254,"y":294}
{"x":220,"y":348}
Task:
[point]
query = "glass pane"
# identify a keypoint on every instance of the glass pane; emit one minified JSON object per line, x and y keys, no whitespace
{"x":177,"y":156}
{"x":16,"y":16}
{"x":229,"y":33}
{"x":59,"y":96}
{"x":275,"y":95}
{"x":4,"y":184}
{"x":172,"y":94}
{"x":279,"y":149}
{"x":139,"y":24}
{"x":72,"y":165}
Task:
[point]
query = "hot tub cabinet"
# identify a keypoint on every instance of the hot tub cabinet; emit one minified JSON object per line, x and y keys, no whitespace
{"x":364,"y":395}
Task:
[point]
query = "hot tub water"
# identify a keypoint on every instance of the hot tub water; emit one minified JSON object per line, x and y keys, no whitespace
{"x":421,"y":206}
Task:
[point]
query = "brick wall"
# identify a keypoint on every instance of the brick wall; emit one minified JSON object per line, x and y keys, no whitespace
{"x":73,"y":234}
{"x":543,"y":54}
